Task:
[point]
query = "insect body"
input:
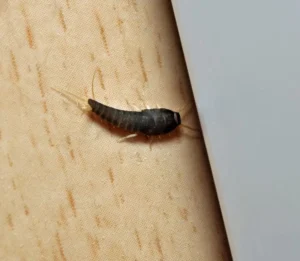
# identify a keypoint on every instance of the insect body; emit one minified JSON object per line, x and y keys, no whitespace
{"x":149,"y":122}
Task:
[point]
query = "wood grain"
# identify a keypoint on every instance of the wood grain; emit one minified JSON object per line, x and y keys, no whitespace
{"x":69,"y":190}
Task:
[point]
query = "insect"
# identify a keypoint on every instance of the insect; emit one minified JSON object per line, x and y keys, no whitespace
{"x":150,"y":122}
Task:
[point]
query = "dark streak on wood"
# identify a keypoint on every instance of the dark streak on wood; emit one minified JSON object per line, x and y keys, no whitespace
{"x":106,"y":100}
{"x":40,"y":80}
{"x":62,"y":19}
{"x":102,"y":32}
{"x":10,"y":222}
{"x":62,"y":216}
{"x":120,"y":25}
{"x":145,"y":77}
{"x":122,"y":198}
{"x":170,"y":196}
{"x":39,"y":244}
{"x":138,"y":239}
{"x":47,"y":129}
{"x":68,"y":3}
{"x":68,"y":139}
{"x":158,"y":246}
{"x":61,"y":159}
{"x":117,"y":76}
{"x":72,"y":202}
{"x":98,"y":221}
{"x":72,"y":154}
{"x":30,"y":36}
{"x":103,"y":222}
{"x":40,"y":156}
{"x":15,"y":66}
{"x":71,"y":150}
{"x":159,"y":36}
{"x":92,"y":57}
{"x":9,"y":160}
{"x":60,"y":247}
{"x":97,"y":242}
{"x":26,"y":210}
{"x":134,"y":4}
{"x":14,"y":184}
{"x":29,"y":33}
{"x":94,"y":243}
{"x":55,"y":119}
{"x":194,"y":229}
{"x":45,"y":107}
{"x":111,"y":176}
{"x":179,"y":175}
{"x":183,"y":213}
{"x":158,"y":57}
{"x":166,"y":215}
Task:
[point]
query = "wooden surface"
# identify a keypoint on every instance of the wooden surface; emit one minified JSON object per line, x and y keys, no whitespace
{"x":68,"y":189}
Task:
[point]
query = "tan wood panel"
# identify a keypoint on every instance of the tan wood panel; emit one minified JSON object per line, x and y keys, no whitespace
{"x":68,"y":189}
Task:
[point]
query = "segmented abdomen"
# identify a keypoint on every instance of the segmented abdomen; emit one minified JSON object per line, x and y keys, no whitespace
{"x":127,"y":120}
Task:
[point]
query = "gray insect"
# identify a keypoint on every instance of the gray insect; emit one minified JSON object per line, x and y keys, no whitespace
{"x":150,"y":122}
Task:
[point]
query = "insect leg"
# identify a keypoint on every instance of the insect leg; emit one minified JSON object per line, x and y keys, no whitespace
{"x":198,"y":131}
{"x":132,"y":106}
{"x":185,"y":109}
{"x":150,"y":139}
{"x":127,"y":137}
{"x":190,"y":128}
{"x":193,"y":136}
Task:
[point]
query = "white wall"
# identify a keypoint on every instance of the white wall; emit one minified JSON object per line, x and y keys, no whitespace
{"x":244,"y":63}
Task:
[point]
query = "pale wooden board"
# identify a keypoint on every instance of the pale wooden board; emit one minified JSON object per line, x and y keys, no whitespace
{"x":68,"y":189}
